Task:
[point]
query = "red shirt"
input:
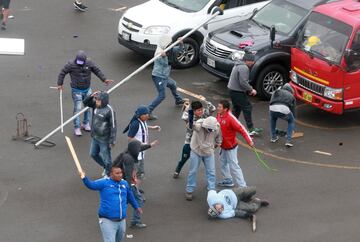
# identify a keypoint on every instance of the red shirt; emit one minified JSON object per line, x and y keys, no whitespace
{"x":229,"y":127}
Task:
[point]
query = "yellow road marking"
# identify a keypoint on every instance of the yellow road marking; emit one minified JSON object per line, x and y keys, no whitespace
{"x":303,"y":123}
{"x":310,"y":163}
{"x":296,"y":161}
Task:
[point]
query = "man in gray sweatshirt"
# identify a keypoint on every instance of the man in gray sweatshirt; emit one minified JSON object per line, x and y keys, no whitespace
{"x":239,"y":89}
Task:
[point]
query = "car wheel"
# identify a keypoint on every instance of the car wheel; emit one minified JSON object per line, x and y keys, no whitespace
{"x":190,"y":56}
{"x":270,"y":79}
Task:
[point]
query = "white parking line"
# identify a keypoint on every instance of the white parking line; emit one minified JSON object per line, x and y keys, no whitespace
{"x":322,"y":153}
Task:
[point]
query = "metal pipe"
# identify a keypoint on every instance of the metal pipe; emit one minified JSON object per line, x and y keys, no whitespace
{"x":129,"y":76}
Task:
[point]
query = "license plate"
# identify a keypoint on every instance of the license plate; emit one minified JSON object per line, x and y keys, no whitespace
{"x":307,"y":96}
{"x":126,"y":36}
{"x":211,"y":62}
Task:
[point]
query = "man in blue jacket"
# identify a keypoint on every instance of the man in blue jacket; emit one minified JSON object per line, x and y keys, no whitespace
{"x":103,"y":129}
{"x":115,"y":193}
{"x":80,"y":70}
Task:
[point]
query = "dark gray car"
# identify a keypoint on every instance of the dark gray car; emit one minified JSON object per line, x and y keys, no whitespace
{"x":272,"y":58}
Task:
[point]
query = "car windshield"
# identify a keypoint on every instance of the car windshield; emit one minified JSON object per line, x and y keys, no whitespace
{"x":283,"y":15}
{"x":325,"y":37}
{"x":187,"y":5}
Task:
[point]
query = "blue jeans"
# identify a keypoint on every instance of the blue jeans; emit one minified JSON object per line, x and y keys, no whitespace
{"x":160,"y":84}
{"x":101,"y":153}
{"x":229,"y":162}
{"x":112,"y":231}
{"x":140,"y":200}
{"x":78,"y":98}
{"x":209,"y":162}
{"x":288,"y":117}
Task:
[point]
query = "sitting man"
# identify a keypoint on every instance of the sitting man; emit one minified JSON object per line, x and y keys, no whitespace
{"x":235,"y":203}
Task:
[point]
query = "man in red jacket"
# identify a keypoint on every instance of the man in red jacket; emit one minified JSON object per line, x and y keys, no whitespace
{"x":230,"y":125}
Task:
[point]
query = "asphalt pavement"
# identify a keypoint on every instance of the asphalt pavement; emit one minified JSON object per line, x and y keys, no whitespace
{"x":313,"y":196}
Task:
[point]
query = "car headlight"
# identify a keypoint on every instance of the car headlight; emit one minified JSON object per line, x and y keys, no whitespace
{"x":237,"y":55}
{"x":293,"y":76}
{"x":333,"y":93}
{"x":157,"y":30}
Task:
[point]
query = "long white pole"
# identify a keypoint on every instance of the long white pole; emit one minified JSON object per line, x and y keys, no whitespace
{"x":129,"y":77}
{"x":61,"y":111}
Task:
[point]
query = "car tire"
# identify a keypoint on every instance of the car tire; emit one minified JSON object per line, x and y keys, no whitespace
{"x":189,"y":57}
{"x":270,"y":79}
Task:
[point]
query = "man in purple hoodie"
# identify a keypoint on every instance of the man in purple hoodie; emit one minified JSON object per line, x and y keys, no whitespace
{"x":80,"y":70}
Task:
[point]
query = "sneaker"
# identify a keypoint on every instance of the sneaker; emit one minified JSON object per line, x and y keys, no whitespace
{"x":289,"y":144}
{"x":86,"y":127}
{"x":255,"y":131}
{"x":152,"y":117}
{"x":226,"y":183}
{"x":3,"y":26}
{"x":77,"y":132}
{"x":281,"y":133}
{"x":138,"y":225}
{"x":179,"y":102}
{"x":253,"y":222}
{"x":188,"y":196}
{"x":263,"y":202}
{"x":274,"y":140}
{"x":79,"y":6}
{"x":176,"y":175}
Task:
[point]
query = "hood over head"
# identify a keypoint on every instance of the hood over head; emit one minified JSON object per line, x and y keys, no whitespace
{"x":104,"y":97}
{"x":141,"y":110}
{"x":288,"y":88}
{"x":210,"y":123}
{"x":80,"y":58}
{"x":133,"y":149}
{"x":164,"y":41}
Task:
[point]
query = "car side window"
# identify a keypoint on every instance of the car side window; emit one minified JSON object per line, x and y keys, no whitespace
{"x":247,"y":2}
{"x":228,"y":4}
{"x":354,"y":60}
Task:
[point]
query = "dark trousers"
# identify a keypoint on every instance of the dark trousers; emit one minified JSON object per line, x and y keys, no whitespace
{"x":140,"y":200}
{"x":185,"y":155}
{"x":246,"y":205}
{"x":240,"y":102}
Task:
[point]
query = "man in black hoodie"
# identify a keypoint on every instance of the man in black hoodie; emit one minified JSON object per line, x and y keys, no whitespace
{"x":126,"y":161}
{"x":80,"y":70}
{"x":282,"y":105}
{"x":103,"y":129}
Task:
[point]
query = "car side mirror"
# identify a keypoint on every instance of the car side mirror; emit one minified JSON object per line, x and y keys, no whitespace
{"x":272,"y":35}
{"x":215,"y":10}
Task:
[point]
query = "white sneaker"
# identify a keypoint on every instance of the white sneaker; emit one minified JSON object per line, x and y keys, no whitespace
{"x":77,"y":132}
{"x":86,"y":127}
{"x":289,"y":144}
{"x":274,"y":140}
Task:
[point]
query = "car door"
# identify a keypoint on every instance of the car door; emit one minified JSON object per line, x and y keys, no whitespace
{"x":352,"y":77}
{"x":234,"y":11}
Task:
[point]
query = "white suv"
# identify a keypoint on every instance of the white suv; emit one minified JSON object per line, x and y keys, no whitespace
{"x":141,"y":26}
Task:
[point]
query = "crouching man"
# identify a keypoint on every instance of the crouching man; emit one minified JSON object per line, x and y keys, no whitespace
{"x":235,"y":203}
